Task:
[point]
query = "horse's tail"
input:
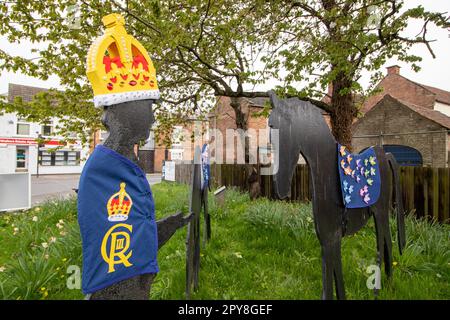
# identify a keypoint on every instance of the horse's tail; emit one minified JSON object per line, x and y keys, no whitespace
{"x":398,"y":202}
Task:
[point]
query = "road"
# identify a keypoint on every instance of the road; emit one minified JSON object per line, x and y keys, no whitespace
{"x":61,"y":186}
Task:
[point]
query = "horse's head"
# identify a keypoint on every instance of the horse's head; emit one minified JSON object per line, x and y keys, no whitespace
{"x":297,"y":127}
{"x":286,"y":150}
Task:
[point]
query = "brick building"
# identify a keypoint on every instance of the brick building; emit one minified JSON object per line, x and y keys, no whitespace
{"x":153,"y":153}
{"x":185,"y":138}
{"x":409,"y":119}
{"x":222,"y":117}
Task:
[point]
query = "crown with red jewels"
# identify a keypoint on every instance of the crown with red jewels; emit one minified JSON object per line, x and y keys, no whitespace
{"x":119,"y":67}
{"x":119,"y":205}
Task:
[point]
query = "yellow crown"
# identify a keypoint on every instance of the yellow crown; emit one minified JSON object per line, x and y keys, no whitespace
{"x":118,"y":66}
{"x":119,"y":205}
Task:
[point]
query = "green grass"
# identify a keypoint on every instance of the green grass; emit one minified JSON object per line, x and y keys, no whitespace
{"x":259,"y":250}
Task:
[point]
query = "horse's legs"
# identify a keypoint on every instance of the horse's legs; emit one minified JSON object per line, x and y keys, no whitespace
{"x":332,"y":269}
{"x":384,"y":241}
{"x":338,"y":274}
{"x":327,"y":273}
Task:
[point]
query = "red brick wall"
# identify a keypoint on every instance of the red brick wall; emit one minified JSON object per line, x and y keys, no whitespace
{"x":403,"y":89}
{"x":159,"y":158}
{"x":187,"y":144}
{"x":223,"y":118}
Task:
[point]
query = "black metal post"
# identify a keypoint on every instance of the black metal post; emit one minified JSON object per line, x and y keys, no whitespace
{"x":38,"y":146}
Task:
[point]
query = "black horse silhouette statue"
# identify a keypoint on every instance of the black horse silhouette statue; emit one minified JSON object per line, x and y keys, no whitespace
{"x":303,"y":130}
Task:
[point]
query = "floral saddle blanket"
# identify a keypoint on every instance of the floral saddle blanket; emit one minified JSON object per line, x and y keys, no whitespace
{"x":359,"y":176}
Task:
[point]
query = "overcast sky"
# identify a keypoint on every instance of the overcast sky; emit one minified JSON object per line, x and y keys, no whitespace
{"x":435,"y":72}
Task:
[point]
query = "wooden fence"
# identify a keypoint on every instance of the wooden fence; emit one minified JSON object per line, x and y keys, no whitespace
{"x":425,"y":190}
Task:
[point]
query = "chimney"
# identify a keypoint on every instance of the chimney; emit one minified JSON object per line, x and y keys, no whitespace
{"x":393,"y":69}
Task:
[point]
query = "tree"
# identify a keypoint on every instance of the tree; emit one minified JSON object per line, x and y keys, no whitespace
{"x":324,"y":42}
{"x":201,"y":49}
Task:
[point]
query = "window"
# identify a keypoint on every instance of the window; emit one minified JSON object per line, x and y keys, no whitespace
{"x":45,"y":158}
{"x":73,"y":158}
{"x":59,"y":158}
{"x":47,"y":129}
{"x":176,"y":155}
{"x":23,"y":128}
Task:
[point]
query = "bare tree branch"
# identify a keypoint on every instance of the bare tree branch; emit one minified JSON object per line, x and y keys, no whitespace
{"x":262,"y":94}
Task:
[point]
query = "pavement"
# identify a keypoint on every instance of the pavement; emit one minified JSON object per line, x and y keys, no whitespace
{"x":46,"y":187}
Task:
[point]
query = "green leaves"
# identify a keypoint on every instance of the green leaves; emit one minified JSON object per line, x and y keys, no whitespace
{"x":329,"y":42}
{"x":202,"y":49}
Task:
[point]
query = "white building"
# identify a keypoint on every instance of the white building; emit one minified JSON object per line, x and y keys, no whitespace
{"x":19,"y":150}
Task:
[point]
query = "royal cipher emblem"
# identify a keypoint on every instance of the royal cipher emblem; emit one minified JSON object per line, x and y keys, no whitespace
{"x":115,"y":248}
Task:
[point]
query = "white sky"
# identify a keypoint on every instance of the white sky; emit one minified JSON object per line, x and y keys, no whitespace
{"x":435,"y":72}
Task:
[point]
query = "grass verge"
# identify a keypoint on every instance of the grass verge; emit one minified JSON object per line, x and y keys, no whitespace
{"x":259,"y":250}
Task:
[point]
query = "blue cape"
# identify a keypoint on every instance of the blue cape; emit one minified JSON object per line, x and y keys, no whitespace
{"x":116,"y":215}
{"x":360,"y":177}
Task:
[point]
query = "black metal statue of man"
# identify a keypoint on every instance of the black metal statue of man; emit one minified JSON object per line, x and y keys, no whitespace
{"x":116,"y":211}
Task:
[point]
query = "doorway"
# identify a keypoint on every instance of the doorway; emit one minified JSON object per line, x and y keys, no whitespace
{"x":21,"y":159}
{"x":146,"y":160}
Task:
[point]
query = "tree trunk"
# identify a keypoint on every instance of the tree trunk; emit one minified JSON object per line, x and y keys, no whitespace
{"x":343,"y":110}
{"x":253,"y":184}
{"x":241,"y":121}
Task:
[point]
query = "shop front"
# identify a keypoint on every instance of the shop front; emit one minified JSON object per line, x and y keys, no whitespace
{"x":24,"y":155}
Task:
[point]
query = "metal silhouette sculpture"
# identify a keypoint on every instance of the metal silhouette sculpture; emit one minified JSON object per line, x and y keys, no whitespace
{"x":129,"y":123}
{"x":124,"y":82}
{"x":198,"y":200}
{"x":193,"y":233}
{"x":303,"y":130}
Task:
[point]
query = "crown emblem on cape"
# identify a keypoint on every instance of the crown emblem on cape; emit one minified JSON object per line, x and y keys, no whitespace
{"x":119,"y":205}
{"x":118,"y":66}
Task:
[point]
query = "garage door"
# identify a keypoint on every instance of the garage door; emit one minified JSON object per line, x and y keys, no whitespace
{"x":405,"y":156}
